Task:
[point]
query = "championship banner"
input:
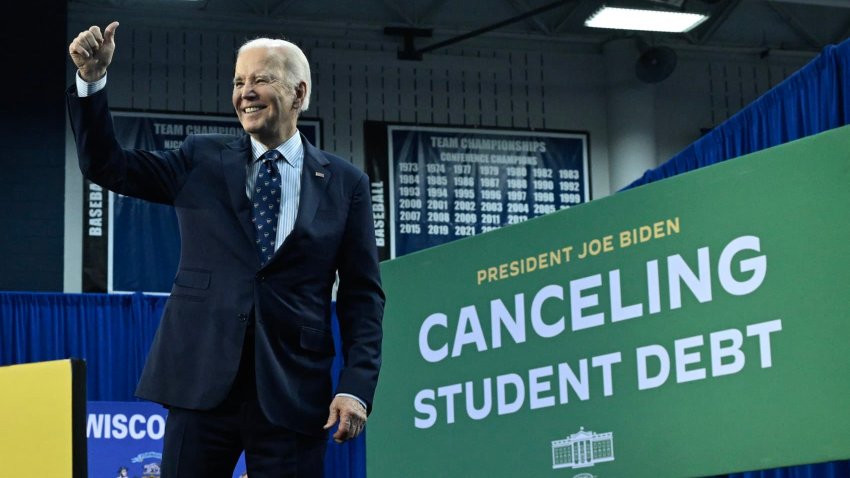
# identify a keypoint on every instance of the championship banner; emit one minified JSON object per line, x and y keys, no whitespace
{"x":130,"y":245}
{"x":695,"y":326}
{"x":125,"y":440}
{"x":433,"y":185}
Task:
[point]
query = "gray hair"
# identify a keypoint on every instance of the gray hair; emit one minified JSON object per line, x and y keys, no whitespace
{"x":294,"y":63}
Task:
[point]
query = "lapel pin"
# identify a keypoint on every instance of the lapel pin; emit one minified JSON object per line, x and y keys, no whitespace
{"x":321,"y":175}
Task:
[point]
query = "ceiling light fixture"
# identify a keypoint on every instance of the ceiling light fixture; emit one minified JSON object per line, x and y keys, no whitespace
{"x":644,"y":20}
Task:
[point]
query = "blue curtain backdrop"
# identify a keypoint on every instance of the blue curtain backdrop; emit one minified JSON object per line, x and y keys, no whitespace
{"x":814,"y":99}
{"x":112,"y":333}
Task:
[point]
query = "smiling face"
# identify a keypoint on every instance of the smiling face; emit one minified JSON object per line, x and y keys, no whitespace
{"x":266,"y":102}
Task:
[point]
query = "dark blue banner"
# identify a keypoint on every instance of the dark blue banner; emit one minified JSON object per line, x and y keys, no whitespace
{"x":449,"y":183}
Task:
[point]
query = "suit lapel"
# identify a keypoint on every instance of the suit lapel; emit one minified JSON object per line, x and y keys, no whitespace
{"x":235,"y":162}
{"x":314,"y":180}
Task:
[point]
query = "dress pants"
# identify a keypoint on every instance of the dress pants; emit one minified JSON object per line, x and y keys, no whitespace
{"x":207,"y":443}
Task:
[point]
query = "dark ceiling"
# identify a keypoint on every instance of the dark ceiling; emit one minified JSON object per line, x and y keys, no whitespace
{"x":734,"y":25}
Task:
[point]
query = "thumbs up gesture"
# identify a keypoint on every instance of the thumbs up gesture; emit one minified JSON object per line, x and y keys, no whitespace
{"x":92,"y":51}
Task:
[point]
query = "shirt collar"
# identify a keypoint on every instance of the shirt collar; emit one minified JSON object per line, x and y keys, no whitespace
{"x":292,"y":149}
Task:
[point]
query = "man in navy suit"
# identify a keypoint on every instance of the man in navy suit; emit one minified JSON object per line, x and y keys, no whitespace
{"x":243,"y":353}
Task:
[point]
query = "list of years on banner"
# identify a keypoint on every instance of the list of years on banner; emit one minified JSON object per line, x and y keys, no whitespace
{"x":467,"y":199}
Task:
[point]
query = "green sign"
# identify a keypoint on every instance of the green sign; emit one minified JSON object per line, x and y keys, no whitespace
{"x":691,"y":327}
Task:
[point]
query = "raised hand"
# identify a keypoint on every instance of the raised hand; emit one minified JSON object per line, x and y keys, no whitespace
{"x":92,"y":51}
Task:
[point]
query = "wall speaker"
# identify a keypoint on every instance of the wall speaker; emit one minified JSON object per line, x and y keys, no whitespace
{"x":655,"y":64}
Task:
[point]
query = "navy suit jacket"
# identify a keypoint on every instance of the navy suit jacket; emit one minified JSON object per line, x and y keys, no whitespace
{"x":196,"y":351}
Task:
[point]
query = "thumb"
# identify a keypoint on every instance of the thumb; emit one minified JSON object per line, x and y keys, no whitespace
{"x":332,"y":417}
{"x":109,"y":32}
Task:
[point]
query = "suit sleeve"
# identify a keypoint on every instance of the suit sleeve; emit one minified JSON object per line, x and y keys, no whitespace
{"x":360,"y":299}
{"x":153,"y":176}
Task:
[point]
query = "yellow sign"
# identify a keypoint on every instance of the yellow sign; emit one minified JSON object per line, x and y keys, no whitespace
{"x":36,"y":417}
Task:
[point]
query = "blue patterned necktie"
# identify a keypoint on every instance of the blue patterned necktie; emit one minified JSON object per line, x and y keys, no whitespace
{"x":266,"y":204}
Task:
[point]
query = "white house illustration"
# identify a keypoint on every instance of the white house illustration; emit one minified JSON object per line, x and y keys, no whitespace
{"x":583,"y":449}
{"x":151,"y":470}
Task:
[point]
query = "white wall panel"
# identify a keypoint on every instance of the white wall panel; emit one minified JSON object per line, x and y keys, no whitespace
{"x":163,"y":91}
